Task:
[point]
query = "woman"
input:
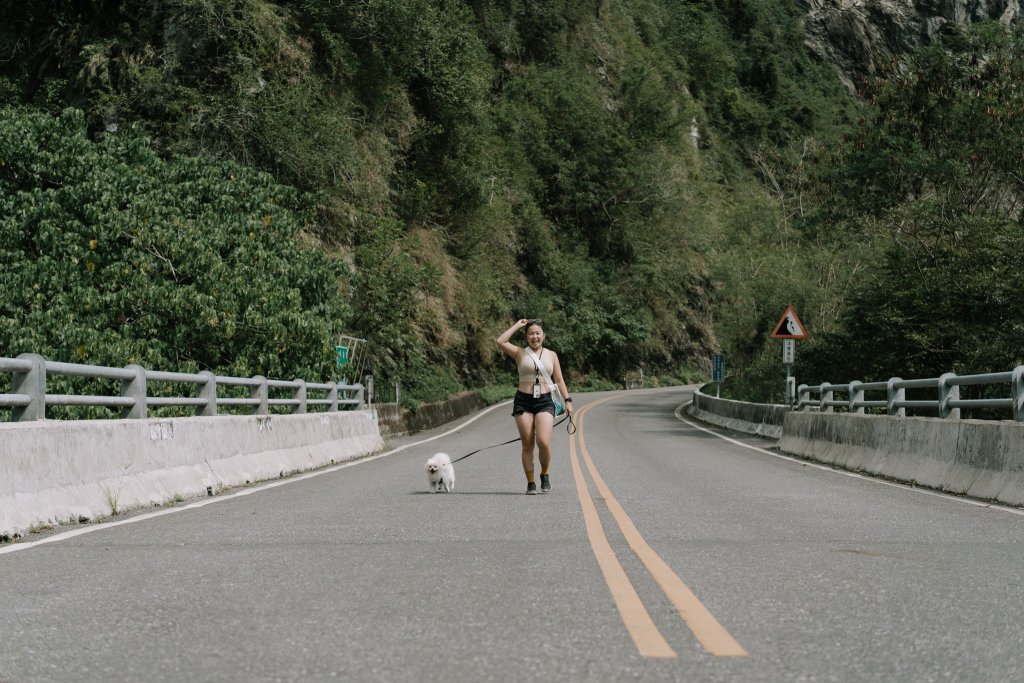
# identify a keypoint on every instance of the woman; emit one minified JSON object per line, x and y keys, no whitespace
{"x":533,"y":408}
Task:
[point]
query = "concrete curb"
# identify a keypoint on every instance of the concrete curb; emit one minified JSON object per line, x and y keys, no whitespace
{"x":397,"y":421}
{"x":977,"y":458}
{"x":982,"y":459}
{"x":53,"y":472}
{"x":762,"y":419}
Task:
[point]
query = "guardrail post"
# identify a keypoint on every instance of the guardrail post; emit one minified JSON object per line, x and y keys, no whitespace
{"x":360,"y":396}
{"x":1017,"y":391}
{"x":826,"y":396}
{"x":33,"y":385}
{"x":332,"y":396}
{"x":209,"y":392}
{"x":261,"y":392}
{"x":948,"y":392}
{"x":856,"y":396}
{"x":801,"y":391}
{"x":300,"y":393}
{"x":344,"y":392}
{"x":893,"y":396}
{"x":134,"y":388}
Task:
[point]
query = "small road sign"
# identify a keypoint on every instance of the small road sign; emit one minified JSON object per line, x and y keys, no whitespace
{"x":789,"y":326}
{"x":788,"y":351}
{"x":718,"y":367}
{"x":342,"y":355}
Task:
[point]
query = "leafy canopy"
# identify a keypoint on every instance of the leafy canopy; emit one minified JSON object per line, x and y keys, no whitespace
{"x":933,"y":180}
{"x":114,"y":256}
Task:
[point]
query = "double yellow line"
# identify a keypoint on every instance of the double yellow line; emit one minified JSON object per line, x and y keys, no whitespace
{"x":648,"y":639}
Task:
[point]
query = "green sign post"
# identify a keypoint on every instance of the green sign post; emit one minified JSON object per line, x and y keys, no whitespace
{"x":342,"y":355}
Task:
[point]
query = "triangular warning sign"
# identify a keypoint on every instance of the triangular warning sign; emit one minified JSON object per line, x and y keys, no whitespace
{"x":789,"y":326}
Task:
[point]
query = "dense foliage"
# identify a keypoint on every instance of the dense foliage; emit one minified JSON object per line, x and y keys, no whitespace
{"x":655,"y":179}
{"x":114,"y":256}
{"x":897,"y":243}
{"x":474,"y":162}
{"x":933,"y":180}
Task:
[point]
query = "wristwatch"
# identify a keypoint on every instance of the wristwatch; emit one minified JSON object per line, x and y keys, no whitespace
{"x":568,"y":399}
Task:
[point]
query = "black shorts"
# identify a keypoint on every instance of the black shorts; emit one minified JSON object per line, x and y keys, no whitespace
{"x":526,"y":403}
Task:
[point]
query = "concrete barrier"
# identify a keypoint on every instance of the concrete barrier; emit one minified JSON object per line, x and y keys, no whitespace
{"x":763,"y":419}
{"x":52,"y":472}
{"x":397,"y":421}
{"x":979,"y":458}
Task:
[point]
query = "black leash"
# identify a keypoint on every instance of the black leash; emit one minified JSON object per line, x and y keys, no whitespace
{"x":571,"y":429}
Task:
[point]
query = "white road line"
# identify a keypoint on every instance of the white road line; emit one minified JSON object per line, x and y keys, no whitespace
{"x":835,"y":470}
{"x":25,"y":545}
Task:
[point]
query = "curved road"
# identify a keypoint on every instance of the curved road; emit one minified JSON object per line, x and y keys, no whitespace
{"x":664,"y":553}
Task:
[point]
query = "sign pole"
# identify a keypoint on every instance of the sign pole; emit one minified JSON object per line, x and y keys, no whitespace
{"x":788,"y":356}
{"x":789,"y":329}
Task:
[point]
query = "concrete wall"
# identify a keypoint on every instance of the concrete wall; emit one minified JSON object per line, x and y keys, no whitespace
{"x":396,"y":421}
{"x":979,"y":458}
{"x":52,"y":472}
{"x":763,"y":419}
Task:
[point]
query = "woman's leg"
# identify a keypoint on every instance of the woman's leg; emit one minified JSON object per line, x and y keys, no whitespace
{"x":524,"y":423}
{"x":542,"y":427}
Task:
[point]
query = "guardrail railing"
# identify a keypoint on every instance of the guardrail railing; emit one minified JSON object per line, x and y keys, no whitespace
{"x":947,"y":402}
{"x":29,"y":397}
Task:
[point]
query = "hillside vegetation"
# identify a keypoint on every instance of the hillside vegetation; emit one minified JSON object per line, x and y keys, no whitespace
{"x":230,"y":184}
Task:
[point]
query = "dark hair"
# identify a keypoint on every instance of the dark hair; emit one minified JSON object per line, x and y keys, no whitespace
{"x":536,"y":321}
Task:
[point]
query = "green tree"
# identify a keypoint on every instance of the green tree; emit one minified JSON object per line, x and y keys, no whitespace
{"x":113,"y":256}
{"x":933,"y":180}
{"x":471,"y":161}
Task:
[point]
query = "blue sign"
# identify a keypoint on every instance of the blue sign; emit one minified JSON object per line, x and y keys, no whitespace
{"x":718,"y":367}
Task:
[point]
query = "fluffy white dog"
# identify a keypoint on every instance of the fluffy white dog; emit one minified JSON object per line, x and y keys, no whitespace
{"x":440,"y":473}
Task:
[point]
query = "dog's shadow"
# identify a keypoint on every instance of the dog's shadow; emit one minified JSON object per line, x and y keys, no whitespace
{"x":466,"y":493}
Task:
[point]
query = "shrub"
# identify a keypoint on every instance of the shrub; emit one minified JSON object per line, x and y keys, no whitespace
{"x":115,"y":256}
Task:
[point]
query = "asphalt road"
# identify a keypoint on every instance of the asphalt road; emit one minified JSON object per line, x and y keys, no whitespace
{"x":680,"y":556}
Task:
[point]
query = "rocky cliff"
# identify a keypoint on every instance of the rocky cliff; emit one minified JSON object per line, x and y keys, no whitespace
{"x":866,"y":38}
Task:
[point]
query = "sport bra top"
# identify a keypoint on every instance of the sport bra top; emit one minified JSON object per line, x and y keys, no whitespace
{"x":528,"y":368}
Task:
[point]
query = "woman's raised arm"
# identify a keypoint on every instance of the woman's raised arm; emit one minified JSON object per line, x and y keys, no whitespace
{"x":503,"y":339}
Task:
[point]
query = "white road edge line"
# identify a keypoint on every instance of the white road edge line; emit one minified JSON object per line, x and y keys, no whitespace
{"x":835,"y":470}
{"x":25,"y":545}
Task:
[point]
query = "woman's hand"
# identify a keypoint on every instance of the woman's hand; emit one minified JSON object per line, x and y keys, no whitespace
{"x":523,"y":322}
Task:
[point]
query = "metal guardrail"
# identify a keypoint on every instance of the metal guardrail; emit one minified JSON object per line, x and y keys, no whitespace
{"x":947,"y":387}
{"x":29,"y":398}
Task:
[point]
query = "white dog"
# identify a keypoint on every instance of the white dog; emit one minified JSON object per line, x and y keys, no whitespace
{"x":440,"y":473}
